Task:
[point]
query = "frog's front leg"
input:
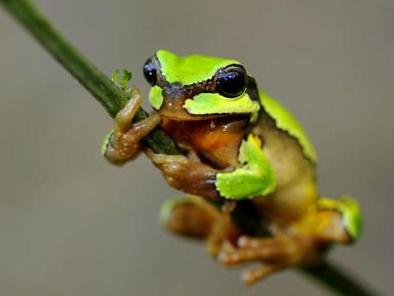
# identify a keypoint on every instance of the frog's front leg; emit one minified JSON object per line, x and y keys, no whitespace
{"x":123,"y":142}
{"x":254,"y":177}
{"x":186,"y":174}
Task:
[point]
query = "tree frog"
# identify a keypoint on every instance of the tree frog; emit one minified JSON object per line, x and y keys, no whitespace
{"x":241,"y":149}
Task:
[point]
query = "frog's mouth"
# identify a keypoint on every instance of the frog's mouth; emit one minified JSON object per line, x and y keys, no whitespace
{"x":211,"y":124}
{"x":184,"y":116}
{"x":176,"y":112}
{"x":174,"y":109}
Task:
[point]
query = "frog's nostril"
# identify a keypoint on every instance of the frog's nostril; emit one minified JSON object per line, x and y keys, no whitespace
{"x":174,"y":91}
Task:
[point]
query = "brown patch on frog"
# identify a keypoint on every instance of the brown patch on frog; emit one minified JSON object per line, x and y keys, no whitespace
{"x":215,"y":140}
{"x":175,"y":94}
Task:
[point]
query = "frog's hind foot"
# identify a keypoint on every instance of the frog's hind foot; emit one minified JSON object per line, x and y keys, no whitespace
{"x":250,"y":249}
{"x":273,"y":254}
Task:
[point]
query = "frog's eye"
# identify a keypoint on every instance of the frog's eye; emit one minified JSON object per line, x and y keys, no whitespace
{"x":150,"y":72}
{"x":231,"y":81}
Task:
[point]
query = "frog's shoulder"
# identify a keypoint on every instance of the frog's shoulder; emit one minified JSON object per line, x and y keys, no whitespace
{"x":287,"y":122}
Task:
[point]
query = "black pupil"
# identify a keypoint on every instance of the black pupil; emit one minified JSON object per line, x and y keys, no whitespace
{"x":231,"y":82}
{"x":150,"y":72}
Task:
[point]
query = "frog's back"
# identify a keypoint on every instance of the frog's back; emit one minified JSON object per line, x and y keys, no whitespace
{"x":292,"y":157}
{"x":287,"y":122}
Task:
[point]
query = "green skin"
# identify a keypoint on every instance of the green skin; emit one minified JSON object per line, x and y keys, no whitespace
{"x":244,"y":149}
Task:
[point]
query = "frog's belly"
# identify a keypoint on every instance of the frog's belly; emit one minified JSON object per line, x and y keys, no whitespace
{"x":296,"y":189}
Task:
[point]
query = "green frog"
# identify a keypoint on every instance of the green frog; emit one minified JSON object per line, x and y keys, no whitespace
{"x":241,"y":150}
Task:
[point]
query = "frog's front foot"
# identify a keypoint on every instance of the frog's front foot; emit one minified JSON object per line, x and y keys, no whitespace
{"x":274,"y":254}
{"x":188,"y":175}
{"x":123,"y":142}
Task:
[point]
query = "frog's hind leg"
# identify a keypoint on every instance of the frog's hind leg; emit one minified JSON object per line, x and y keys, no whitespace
{"x":271,"y":253}
{"x":194,"y":217}
{"x":302,"y":243}
{"x":189,"y":216}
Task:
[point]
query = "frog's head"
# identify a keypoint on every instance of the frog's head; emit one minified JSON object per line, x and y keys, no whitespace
{"x":197,"y":87}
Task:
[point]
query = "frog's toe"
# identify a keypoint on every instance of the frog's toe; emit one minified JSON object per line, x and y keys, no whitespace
{"x":124,"y":118}
{"x":258,"y":249}
{"x":122,"y":145}
{"x":253,"y":275}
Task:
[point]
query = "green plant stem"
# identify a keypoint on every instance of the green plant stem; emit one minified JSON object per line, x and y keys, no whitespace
{"x":336,"y":279}
{"x":113,"y":99}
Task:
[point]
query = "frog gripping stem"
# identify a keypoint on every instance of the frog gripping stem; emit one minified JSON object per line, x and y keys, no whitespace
{"x":113,"y":99}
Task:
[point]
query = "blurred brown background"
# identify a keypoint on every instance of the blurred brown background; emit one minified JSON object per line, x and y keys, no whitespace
{"x":71,"y":224}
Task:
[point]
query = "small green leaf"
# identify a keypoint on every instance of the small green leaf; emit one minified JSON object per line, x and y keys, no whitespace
{"x":122,"y":82}
{"x":115,"y":75}
{"x":127,"y":76}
